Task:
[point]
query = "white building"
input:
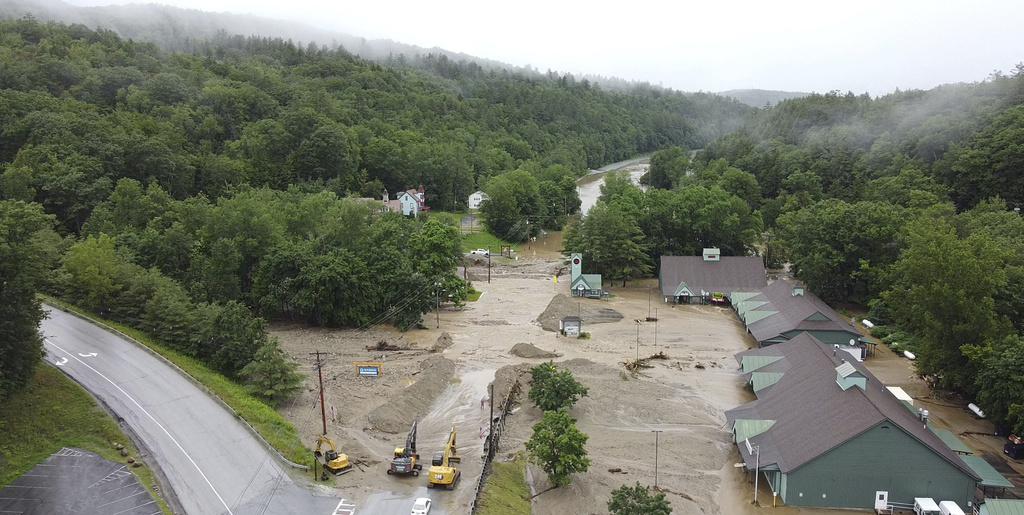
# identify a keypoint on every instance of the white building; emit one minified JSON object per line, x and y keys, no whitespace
{"x":476,"y":198}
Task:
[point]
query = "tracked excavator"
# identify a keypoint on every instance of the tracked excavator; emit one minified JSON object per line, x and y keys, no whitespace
{"x":334,"y":462}
{"x":441,"y":472}
{"x":406,"y":461}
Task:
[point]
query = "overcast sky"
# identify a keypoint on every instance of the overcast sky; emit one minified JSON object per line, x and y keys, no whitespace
{"x":872,"y":46}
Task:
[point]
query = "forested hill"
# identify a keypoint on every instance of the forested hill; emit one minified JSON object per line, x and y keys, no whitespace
{"x":266,"y":112}
{"x":908,"y":204}
{"x":174,"y":28}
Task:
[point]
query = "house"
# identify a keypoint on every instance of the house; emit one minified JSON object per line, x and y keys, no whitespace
{"x":1002,"y":507}
{"x":409,"y":202}
{"x":825,"y":432}
{"x":476,"y":198}
{"x":782,"y":310}
{"x":709,"y":277}
{"x":583,"y":285}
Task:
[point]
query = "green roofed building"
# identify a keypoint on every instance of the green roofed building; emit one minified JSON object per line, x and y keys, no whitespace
{"x":583,"y":285}
{"x":824,"y":432}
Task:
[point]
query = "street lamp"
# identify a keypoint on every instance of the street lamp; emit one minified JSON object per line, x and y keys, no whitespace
{"x":656,"y":432}
{"x":757,"y":464}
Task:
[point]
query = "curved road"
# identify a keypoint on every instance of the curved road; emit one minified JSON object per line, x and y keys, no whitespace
{"x":212,"y":463}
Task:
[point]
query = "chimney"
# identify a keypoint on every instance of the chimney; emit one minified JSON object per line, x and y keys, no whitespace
{"x":712,"y":254}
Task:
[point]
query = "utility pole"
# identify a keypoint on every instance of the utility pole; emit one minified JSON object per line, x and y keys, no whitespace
{"x":655,"y":327}
{"x":648,"y":302}
{"x":657,"y":432}
{"x":437,"y":300}
{"x":323,"y":410}
{"x":638,"y":342}
{"x":488,"y":265}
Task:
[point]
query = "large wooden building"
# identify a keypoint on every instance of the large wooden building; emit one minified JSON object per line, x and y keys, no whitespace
{"x":710,"y":277}
{"x":825,"y":432}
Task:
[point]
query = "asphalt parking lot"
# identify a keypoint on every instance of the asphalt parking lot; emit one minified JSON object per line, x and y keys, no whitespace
{"x":77,"y":481}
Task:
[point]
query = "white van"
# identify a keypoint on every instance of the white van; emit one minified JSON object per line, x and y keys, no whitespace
{"x":925,"y":506}
{"x":950,"y":508}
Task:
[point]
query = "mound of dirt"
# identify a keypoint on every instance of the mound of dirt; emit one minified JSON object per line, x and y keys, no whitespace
{"x":529,"y":351}
{"x":505,"y":379}
{"x":443,"y":342}
{"x":588,"y":309}
{"x":436,"y":373}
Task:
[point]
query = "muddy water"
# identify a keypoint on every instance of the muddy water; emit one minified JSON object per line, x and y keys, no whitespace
{"x":459,"y":406}
{"x":589,"y":187}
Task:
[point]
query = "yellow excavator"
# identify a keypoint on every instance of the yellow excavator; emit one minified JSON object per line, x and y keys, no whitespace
{"x":441,"y":471}
{"x":333,"y":461}
{"x":406,"y":460}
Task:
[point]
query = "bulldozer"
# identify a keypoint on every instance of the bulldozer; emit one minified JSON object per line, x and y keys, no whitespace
{"x":406,"y":460}
{"x":441,"y":472}
{"x":333,"y":461}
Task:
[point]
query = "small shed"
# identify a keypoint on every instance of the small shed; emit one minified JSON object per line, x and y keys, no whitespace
{"x":570,"y":325}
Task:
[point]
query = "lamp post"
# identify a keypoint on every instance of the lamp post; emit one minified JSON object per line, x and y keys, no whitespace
{"x":757,"y":464}
{"x":656,"y":432}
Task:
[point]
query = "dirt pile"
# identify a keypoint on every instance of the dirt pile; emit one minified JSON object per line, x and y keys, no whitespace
{"x":562,"y":305}
{"x":528,"y":350}
{"x":395,"y":416}
{"x":505,"y":378}
{"x":443,"y":342}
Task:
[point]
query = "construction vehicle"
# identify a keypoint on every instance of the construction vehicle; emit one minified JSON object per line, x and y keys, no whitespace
{"x":406,"y":461}
{"x":333,"y":461}
{"x":442,"y":473}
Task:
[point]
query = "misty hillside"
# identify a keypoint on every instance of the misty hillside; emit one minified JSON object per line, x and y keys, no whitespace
{"x":173,"y":28}
{"x":761,"y":97}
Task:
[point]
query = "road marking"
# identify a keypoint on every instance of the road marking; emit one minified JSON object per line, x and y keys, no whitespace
{"x":162,"y":428}
{"x":62,"y":361}
{"x":86,"y":355}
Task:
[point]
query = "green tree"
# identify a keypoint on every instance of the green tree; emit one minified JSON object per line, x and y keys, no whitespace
{"x":92,"y":270}
{"x":612,"y":242}
{"x":27,"y":248}
{"x":553,"y":389}
{"x":667,"y":166}
{"x":942,"y":292}
{"x":1000,"y":383}
{"x":270,"y":375}
{"x":637,"y":500}
{"x":559,"y":447}
{"x":842,"y":251}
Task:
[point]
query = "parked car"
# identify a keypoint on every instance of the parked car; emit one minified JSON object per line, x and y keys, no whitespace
{"x":1014,"y":447}
{"x":480,"y":252}
{"x":421,"y":507}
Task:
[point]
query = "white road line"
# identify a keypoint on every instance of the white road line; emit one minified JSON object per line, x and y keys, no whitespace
{"x":162,"y":428}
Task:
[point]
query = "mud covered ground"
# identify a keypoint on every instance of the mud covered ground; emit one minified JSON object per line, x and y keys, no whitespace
{"x":441,"y":375}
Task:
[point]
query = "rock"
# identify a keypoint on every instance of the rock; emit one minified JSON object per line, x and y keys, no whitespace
{"x":131,"y":460}
{"x":124,"y":452}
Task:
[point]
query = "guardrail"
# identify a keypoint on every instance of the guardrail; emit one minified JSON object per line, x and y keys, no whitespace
{"x":493,"y":439}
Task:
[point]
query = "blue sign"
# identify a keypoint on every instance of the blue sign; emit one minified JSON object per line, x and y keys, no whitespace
{"x":368,"y":369}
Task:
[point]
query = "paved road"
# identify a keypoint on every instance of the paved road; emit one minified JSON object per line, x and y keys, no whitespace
{"x":212,"y":463}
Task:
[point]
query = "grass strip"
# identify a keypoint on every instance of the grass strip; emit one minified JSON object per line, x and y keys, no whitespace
{"x":53,"y":412}
{"x":505,"y":491}
{"x":277,"y":431}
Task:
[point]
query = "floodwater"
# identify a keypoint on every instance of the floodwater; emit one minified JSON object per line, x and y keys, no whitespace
{"x":459,"y":406}
{"x":589,"y":187}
